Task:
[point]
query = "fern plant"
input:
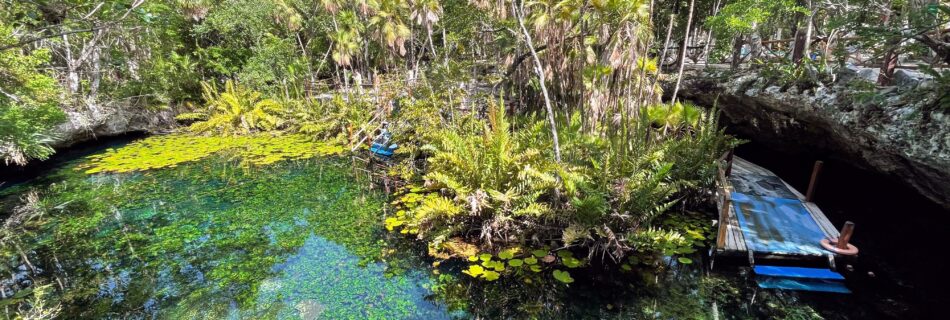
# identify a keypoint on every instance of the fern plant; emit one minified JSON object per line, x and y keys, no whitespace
{"x":235,"y":111}
{"x":336,"y":118}
{"x":498,"y":182}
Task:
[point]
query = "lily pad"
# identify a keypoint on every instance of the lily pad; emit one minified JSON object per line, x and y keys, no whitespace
{"x":474,"y":270}
{"x":516,"y":262}
{"x":563,"y":276}
{"x":497,"y":265}
{"x":531,"y":260}
{"x":491,"y":275}
{"x":571,"y":262}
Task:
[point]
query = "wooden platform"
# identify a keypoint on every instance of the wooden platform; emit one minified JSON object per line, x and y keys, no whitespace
{"x":749,"y":178}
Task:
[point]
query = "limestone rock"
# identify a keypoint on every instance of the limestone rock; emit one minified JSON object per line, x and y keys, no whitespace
{"x":897,"y":133}
{"x":89,"y":122}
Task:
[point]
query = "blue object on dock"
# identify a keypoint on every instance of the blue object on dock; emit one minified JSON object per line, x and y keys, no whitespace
{"x":797,"y":272}
{"x":802,"y":284}
{"x":382,"y":150}
{"x":777,"y":225}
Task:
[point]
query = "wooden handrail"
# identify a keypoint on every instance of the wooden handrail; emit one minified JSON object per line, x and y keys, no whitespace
{"x":723,"y":218}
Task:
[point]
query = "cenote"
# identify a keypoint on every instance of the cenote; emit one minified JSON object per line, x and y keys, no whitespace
{"x":303,"y":239}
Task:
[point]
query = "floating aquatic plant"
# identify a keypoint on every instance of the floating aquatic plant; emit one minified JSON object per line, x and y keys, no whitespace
{"x":562,"y":276}
{"x":172,"y":150}
{"x":474,"y":270}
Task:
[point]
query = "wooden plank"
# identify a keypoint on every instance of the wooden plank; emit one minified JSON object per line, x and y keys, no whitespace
{"x":740,"y":165}
{"x":733,"y":239}
{"x":738,"y":237}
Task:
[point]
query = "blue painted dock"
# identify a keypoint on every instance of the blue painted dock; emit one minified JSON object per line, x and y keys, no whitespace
{"x":764,"y":215}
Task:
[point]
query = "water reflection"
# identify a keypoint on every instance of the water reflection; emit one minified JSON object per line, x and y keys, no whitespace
{"x":210,"y":240}
{"x":298,"y":240}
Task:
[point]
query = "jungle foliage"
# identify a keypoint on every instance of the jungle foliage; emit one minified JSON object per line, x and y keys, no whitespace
{"x":29,"y":105}
{"x":500,"y":188}
{"x":533,"y":139}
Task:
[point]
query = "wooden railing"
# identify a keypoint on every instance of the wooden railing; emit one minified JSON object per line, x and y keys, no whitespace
{"x":724,"y":196}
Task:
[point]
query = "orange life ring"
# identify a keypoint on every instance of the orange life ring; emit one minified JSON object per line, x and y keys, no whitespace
{"x":832,"y":245}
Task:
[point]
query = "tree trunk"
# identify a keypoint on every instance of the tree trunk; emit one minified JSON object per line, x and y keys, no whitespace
{"x":798,"y":51}
{"x":26,"y":259}
{"x":72,"y":74}
{"x":95,"y":76}
{"x":431,"y":44}
{"x":666,"y":43}
{"x":544,"y":89}
{"x":755,"y":42}
{"x":709,"y":35}
{"x":679,"y":77}
{"x":806,"y":45}
{"x":889,"y":64}
{"x":737,"y":51}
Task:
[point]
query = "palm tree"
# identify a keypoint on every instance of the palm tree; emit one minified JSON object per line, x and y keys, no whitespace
{"x":426,"y":13}
{"x":388,"y":24}
{"x":347,"y":38}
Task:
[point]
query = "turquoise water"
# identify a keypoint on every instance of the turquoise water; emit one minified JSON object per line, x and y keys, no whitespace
{"x":216,"y":240}
{"x":294,"y":240}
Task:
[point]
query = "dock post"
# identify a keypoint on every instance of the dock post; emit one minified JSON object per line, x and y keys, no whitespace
{"x":814,"y":180}
{"x":723,"y":220}
{"x":729,"y":161}
{"x":846,"y":231}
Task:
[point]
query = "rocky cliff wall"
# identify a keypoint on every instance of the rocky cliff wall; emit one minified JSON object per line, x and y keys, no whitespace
{"x":91,"y":122}
{"x":896,"y":130}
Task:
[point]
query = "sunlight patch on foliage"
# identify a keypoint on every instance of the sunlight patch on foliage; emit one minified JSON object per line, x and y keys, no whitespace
{"x":172,"y":150}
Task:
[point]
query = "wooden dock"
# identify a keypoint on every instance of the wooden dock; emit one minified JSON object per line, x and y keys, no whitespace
{"x":761,"y":235}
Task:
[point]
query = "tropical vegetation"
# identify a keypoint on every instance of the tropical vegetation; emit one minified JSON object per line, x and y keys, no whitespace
{"x":535,"y":137}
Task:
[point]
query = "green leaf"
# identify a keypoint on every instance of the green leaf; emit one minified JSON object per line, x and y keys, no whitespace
{"x":531,"y":260}
{"x":571,"y":262}
{"x":563,"y":276}
{"x":684,"y":260}
{"x":491,"y":275}
{"x":515,"y":262}
{"x":506,"y":254}
{"x":474,"y":270}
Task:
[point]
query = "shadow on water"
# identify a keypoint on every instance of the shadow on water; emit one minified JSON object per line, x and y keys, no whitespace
{"x":899,"y":273}
{"x":13,"y":174}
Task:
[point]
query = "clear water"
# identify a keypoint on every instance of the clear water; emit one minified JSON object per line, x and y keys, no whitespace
{"x":214,"y":240}
{"x":297,"y":240}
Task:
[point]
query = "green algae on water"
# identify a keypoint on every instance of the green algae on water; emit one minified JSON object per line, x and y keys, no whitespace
{"x":172,"y":150}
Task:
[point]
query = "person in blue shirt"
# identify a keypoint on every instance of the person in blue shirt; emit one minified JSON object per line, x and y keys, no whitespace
{"x":382,"y":144}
